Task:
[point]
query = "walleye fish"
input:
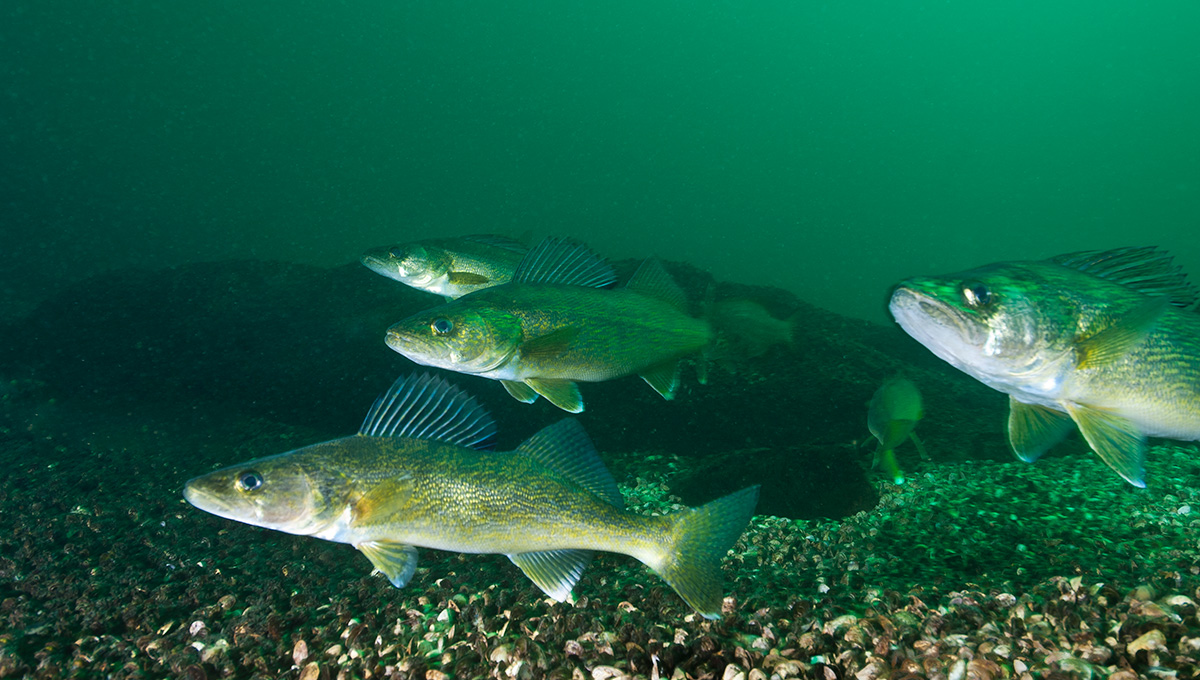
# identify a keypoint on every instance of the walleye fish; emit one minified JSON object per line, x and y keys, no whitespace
{"x":451,"y":267}
{"x":414,"y":475}
{"x":554,"y":324}
{"x":1107,"y":340}
{"x":892,"y":414}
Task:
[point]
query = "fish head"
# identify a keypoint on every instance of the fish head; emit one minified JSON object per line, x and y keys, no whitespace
{"x":291,"y":492}
{"x":993,"y":323}
{"x":459,"y":336}
{"x":418,"y":265}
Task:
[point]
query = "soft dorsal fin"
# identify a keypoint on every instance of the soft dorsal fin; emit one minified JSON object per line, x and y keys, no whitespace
{"x":424,"y":407}
{"x":653,"y":280}
{"x":561,"y":260}
{"x":565,"y":448}
{"x":1147,"y":270}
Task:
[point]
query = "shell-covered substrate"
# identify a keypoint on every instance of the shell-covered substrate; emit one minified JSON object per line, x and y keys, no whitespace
{"x":969,"y":570}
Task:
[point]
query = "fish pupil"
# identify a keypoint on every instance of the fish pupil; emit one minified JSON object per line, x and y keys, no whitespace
{"x":250,"y":481}
{"x":442,"y":326}
{"x":976,"y":294}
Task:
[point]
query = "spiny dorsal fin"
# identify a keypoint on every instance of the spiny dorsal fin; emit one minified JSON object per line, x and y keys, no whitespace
{"x":1147,"y":270}
{"x":554,"y":571}
{"x":560,"y":260}
{"x":424,"y":407}
{"x":565,"y":448}
{"x":653,"y":280}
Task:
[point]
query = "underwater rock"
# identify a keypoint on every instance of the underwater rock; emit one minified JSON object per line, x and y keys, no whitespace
{"x":303,"y":345}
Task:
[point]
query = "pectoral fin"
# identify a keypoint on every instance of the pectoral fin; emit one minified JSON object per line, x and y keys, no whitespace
{"x":397,"y":561}
{"x":1115,"y":341}
{"x":1116,"y":440}
{"x":549,"y":346}
{"x":1034,"y":430}
{"x":467,"y":278}
{"x":520,"y":391}
{"x":554,"y":571}
{"x":384,"y":500}
{"x":562,"y":393}
{"x":664,"y":378}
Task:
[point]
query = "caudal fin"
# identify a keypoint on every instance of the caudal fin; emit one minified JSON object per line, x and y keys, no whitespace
{"x":700,"y":538}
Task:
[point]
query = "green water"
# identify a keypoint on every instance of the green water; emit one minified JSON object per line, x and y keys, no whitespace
{"x":828,"y":148}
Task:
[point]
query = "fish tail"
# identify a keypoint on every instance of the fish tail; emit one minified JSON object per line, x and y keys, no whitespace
{"x":887,"y":460}
{"x":700,"y":539}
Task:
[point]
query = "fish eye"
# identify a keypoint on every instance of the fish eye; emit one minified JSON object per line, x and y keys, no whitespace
{"x":397,"y":253}
{"x":442,"y":326}
{"x":249,"y":481}
{"x":976,"y":294}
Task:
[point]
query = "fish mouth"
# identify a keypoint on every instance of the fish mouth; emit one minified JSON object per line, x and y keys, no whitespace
{"x":195,"y":493}
{"x":936,"y":324}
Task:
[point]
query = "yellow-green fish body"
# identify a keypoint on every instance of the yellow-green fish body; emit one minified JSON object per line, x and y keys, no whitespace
{"x":413,"y":480}
{"x":552,"y":326}
{"x":1107,"y":340}
{"x":451,"y":267}
{"x":892,"y":415}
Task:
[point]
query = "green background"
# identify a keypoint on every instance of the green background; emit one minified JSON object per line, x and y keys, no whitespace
{"x":828,"y":148}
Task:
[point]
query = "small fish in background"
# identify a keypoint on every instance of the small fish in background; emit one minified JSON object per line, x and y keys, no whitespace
{"x":747,"y":327}
{"x":415,"y":476}
{"x":892,"y":415}
{"x":556,"y":324}
{"x":1105,"y":341}
{"x":450,"y":267}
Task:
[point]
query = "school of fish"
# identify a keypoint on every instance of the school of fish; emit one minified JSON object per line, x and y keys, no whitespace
{"x":1105,"y":342}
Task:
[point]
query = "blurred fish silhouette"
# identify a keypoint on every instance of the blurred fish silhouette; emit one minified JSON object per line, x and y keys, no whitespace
{"x":892,"y":415}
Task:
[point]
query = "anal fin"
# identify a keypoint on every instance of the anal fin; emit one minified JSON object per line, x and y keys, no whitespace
{"x":664,"y":378}
{"x":1034,"y":430}
{"x":554,"y":571}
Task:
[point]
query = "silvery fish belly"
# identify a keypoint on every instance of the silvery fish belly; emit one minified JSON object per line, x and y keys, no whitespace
{"x":1105,"y":341}
{"x":415,"y":475}
{"x":451,"y":267}
{"x":556,"y":324}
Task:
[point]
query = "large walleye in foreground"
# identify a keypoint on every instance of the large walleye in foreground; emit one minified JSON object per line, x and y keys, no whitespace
{"x":1107,"y":340}
{"x":413,"y":476}
{"x":554,"y":324}
{"x":451,"y":267}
